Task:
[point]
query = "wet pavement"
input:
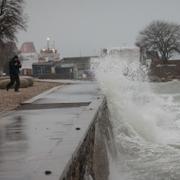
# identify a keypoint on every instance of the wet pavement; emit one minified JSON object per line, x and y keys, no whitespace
{"x":37,"y":143}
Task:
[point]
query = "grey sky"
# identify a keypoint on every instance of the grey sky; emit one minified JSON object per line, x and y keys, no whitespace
{"x":81,"y":27}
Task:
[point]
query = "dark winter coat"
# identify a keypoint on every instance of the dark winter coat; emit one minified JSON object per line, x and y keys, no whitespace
{"x":14,"y":66}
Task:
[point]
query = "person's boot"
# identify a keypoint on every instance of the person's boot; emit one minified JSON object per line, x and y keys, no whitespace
{"x":16,"y":90}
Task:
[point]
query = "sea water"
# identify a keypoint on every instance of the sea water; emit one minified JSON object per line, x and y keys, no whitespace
{"x":145,"y":118}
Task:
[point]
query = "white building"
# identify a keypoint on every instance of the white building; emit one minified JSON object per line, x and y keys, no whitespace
{"x":28,"y":56}
{"x":130,"y":53}
{"x":49,"y":53}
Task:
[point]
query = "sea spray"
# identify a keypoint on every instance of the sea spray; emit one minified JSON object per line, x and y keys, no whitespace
{"x":127,"y":90}
{"x":144,"y":124}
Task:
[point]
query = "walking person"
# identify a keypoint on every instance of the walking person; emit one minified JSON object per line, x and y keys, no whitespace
{"x":14,"y":66}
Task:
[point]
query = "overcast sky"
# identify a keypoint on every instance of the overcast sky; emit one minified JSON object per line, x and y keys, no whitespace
{"x":82,"y":27}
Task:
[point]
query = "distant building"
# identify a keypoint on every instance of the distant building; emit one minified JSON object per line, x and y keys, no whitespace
{"x":104,"y":52}
{"x":66,"y":68}
{"x":130,"y":53}
{"x":50,"y":65}
{"x":47,"y":60}
{"x":28,"y":47}
{"x":41,"y":69}
{"x":158,"y":70}
{"x":28,"y":56}
{"x":47,"y":55}
{"x":80,"y":66}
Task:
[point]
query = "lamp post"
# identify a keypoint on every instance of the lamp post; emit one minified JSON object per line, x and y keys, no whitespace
{"x":48,"y":39}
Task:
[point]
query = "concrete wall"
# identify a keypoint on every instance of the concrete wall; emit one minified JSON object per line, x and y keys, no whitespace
{"x":90,"y":162}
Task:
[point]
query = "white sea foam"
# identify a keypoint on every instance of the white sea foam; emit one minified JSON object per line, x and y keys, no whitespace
{"x":145,"y":118}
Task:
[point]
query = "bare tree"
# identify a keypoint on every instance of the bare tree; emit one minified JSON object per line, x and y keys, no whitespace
{"x":7,"y":51}
{"x":2,"y":7}
{"x":161,"y":37}
{"x":12,"y":19}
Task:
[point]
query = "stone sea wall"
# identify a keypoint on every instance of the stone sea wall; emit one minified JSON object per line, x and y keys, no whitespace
{"x":90,"y":162}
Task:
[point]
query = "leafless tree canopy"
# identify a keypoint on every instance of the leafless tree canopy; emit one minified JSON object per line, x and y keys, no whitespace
{"x":12,"y":19}
{"x":161,"y":37}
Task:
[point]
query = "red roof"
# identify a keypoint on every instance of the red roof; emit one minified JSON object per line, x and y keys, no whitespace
{"x":28,"y":47}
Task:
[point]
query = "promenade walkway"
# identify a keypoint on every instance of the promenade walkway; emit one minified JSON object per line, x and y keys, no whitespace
{"x":38,"y":140}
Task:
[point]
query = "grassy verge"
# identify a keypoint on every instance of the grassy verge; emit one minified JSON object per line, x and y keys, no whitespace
{"x":9,"y":100}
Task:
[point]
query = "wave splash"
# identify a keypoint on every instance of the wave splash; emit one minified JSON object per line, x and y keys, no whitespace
{"x":146,"y":127}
